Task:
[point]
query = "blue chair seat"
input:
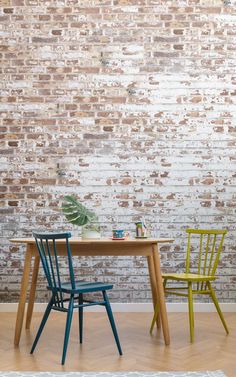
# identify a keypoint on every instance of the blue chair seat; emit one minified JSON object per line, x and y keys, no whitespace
{"x":84,"y":287}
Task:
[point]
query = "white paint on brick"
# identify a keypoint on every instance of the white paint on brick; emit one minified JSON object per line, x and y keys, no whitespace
{"x":137,"y":103}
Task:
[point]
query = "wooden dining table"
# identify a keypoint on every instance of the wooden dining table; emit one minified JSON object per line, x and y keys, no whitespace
{"x":148,"y":247}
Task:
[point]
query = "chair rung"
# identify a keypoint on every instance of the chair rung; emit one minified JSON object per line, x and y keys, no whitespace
{"x":90,"y":304}
{"x":196,"y":292}
{"x":171,"y":291}
{"x":177,"y":293}
{"x":174,"y":288}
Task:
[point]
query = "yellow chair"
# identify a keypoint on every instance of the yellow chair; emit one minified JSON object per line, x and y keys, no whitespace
{"x":210,"y":244}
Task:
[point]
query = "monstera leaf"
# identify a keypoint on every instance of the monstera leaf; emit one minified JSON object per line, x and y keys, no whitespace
{"x":76,"y":213}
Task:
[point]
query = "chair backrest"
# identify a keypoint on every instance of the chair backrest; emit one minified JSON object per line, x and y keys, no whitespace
{"x":48,"y":250}
{"x":209,"y":243}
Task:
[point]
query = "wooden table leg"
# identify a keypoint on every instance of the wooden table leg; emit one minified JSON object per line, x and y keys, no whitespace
{"x":23,"y":294}
{"x":160,"y":292}
{"x":32,"y":292}
{"x":152,"y":276}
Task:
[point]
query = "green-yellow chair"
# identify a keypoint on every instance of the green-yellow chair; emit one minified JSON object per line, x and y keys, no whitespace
{"x":199,"y":278}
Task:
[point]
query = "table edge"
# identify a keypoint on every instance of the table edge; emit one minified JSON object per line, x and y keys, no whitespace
{"x":100,"y":241}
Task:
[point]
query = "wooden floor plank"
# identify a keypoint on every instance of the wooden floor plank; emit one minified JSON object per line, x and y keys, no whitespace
{"x":211,"y":350}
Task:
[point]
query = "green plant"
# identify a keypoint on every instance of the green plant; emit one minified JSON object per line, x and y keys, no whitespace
{"x":77,"y":214}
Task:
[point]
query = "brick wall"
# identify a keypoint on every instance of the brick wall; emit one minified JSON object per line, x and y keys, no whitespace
{"x":135,"y":100}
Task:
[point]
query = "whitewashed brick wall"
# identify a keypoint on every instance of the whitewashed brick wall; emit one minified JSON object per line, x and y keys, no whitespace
{"x":136,"y":101}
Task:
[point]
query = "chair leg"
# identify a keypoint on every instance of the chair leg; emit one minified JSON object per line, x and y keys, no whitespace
{"x":112,"y":322}
{"x":214,"y":298}
{"x":67,"y":329}
{"x":81,"y":309}
{"x":42,"y":324}
{"x":154,"y":319}
{"x":156,"y":316}
{"x":193,"y":315}
{"x":190,"y":308}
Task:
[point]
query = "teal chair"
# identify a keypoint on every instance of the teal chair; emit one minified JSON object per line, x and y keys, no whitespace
{"x":71,"y":292}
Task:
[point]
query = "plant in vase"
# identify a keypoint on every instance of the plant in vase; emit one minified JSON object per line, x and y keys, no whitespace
{"x":77,"y":214}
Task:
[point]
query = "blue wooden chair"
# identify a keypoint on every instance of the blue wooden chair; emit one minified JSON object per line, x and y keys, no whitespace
{"x":71,"y":292}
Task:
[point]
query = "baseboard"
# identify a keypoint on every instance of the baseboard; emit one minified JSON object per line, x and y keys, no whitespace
{"x":136,"y":307}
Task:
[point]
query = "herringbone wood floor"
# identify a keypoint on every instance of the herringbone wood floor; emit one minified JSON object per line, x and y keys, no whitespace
{"x":212,"y":349}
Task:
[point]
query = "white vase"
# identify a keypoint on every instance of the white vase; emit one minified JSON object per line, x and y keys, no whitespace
{"x":89,"y":233}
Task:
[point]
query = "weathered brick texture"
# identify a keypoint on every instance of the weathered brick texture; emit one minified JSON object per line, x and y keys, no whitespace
{"x":135,"y":100}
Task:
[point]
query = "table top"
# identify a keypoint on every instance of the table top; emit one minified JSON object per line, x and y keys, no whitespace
{"x":79,"y":241}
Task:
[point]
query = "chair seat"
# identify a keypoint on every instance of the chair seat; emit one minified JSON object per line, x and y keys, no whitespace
{"x":85,"y":287}
{"x":188,"y":277}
